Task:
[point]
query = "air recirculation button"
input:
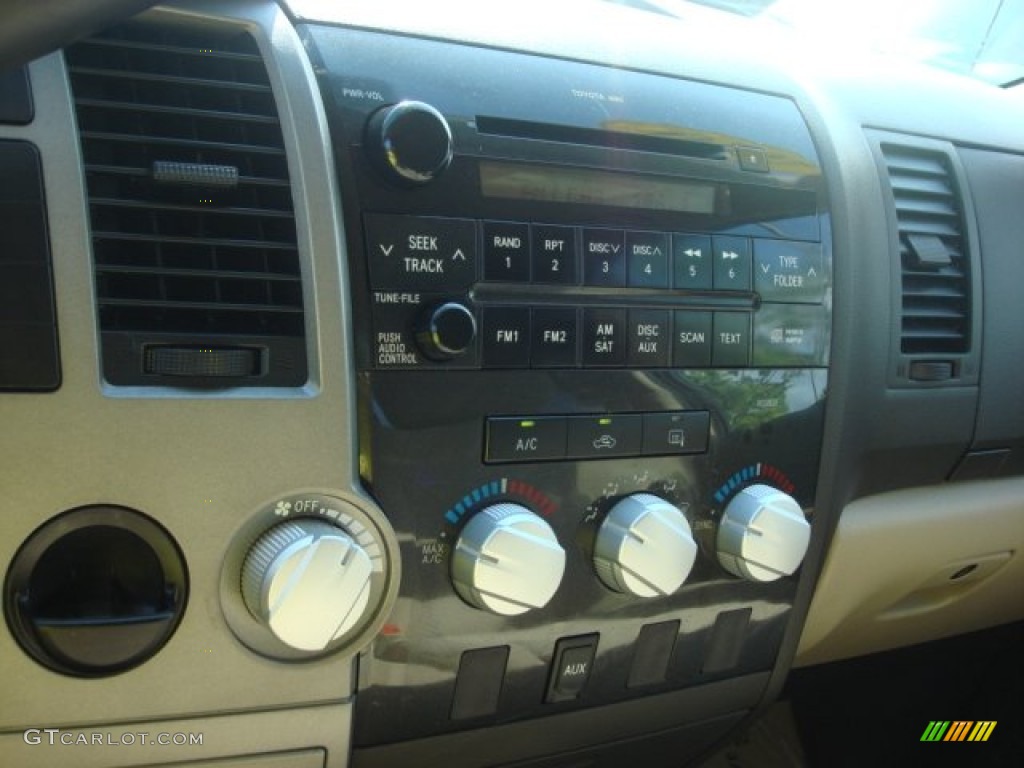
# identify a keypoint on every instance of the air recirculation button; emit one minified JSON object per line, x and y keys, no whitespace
{"x":96,"y":591}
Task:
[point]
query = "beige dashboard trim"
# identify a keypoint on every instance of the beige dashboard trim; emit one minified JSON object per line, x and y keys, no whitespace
{"x":916,"y":565}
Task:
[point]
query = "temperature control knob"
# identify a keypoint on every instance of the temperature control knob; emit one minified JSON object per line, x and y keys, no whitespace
{"x":446,"y":331}
{"x":410,"y":142}
{"x":507,"y":560}
{"x":308,"y":581}
{"x":644,"y":547}
{"x":763,"y":534}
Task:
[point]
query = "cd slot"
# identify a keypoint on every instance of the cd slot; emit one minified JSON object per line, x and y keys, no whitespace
{"x":610,"y":139}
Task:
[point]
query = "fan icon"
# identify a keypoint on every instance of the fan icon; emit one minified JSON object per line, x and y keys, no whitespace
{"x":283,"y":508}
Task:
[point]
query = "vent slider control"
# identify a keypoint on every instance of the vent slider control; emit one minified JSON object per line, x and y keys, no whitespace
{"x":199,"y":174}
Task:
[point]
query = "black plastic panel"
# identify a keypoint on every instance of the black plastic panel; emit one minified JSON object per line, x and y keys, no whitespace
{"x":997,"y":186}
{"x":711,"y":378}
{"x":16,"y":105}
{"x":29,"y":359}
{"x":422,"y":459}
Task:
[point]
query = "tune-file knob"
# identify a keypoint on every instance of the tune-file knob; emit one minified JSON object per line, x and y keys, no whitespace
{"x":644,"y":547}
{"x":507,"y":560}
{"x":446,"y":331}
{"x":763,"y":534}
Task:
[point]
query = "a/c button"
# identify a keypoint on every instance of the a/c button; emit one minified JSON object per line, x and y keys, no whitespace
{"x":525,"y":439}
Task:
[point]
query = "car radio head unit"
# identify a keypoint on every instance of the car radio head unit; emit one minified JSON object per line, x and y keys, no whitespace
{"x":592,"y":320}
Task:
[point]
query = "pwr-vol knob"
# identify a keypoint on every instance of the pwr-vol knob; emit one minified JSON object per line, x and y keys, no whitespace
{"x":410,"y":142}
{"x":763,"y":534}
{"x":507,"y":560}
{"x":308,"y":581}
{"x":644,"y":547}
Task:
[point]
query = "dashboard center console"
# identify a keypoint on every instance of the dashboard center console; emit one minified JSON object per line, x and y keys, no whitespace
{"x":592,"y":318}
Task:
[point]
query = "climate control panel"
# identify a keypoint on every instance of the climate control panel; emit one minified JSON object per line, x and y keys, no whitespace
{"x":531,"y":522}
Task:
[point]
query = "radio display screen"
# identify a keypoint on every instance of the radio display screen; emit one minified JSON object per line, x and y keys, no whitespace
{"x":554,"y":184}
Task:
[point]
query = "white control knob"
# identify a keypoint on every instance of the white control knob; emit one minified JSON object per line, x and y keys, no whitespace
{"x":308,"y":581}
{"x":507,"y":560}
{"x":644,"y":547}
{"x":763,"y":534}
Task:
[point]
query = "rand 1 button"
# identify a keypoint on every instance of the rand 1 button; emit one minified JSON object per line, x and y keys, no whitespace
{"x":649,"y":338}
{"x":691,"y":262}
{"x":732,"y":263}
{"x":514,"y":439}
{"x":691,"y":339}
{"x":506,"y":251}
{"x":678,"y":432}
{"x":419,"y":253}
{"x":554,"y":254}
{"x":647,"y":254}
{"x":555,"y":338}
{"x":604,"y":337}
{"x":787,"y":271}
{"x":730,"y":345}
{"x":571,"y":667}
{"x":505,"y":338}
{"x":598,"y":437}
{"x":604,"y":257}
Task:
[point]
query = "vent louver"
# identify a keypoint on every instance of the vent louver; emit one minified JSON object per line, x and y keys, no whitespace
{"x":934,"y":258}
{"x":193,"y":232}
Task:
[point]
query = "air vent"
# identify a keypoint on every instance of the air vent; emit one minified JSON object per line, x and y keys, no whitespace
{"x":934,"y":258}
{"x":193,"y":231}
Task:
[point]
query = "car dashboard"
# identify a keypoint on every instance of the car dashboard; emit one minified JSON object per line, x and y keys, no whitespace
{"x":536,"y":385}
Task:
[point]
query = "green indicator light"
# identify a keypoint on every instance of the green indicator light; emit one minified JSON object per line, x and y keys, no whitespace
{"x":527,"y":424}
{"x":604,"y":422}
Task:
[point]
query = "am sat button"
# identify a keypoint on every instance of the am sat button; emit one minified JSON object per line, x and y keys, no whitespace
{"x":571,"y":667}
{"x":681,"y":432}
{"x":598,"y":437}
{"x":525,"y":439}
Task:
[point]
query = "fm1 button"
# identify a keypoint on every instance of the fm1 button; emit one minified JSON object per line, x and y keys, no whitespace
{"x":571,"y":667}
{"x":506,"y":337}
{"x":525,"y":439}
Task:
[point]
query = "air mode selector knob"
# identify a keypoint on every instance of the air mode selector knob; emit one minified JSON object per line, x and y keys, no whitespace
{"x":308,"y":581}
{"x":644,"y":547}
{"x":507,"y":560}
{"x":446,"y":331}
{"x":410,"y":142}
{"x":763,"y":534}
